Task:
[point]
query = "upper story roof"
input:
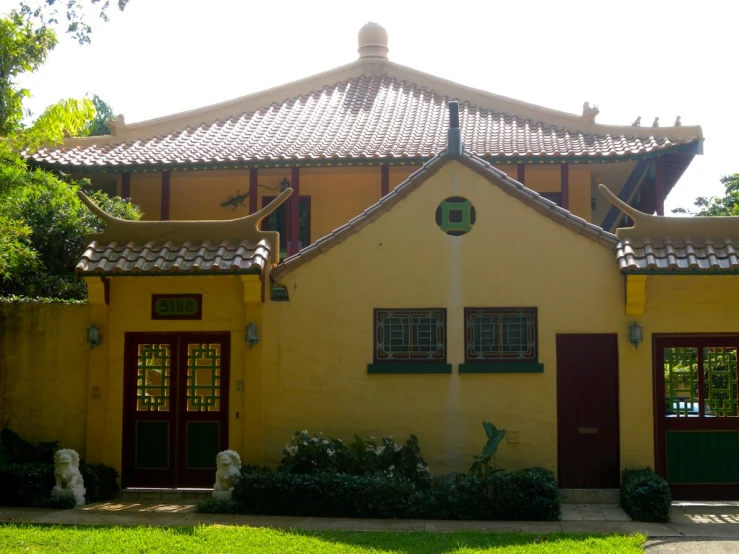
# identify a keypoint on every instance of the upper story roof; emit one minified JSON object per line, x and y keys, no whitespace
{"x":367,"y":111}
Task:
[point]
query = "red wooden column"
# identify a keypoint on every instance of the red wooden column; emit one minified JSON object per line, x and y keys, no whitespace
{"x":166,"y":181}
{"x":293,"y":208}
{"x":126,"y":185}
{"x":521,"y":173}
{"x":253,"y":176}
{"x":564,"y":171}
{"x":659,"y":186}
{"x":384,"y":180}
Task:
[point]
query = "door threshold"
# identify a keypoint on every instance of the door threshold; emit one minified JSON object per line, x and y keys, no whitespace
{"x":167,"y":489}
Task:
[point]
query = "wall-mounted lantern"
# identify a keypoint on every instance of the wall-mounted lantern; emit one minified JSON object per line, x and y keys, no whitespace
{"x":284,"y":184}
{"x":251,"y":335}
{"x":94,"y":338}
{"x":636,"y":334}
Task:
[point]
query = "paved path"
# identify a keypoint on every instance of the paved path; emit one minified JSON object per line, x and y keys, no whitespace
{"x":698,"y":523}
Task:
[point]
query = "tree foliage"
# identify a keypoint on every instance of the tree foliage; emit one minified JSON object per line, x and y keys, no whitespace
{"x":23,"y":49}
{"x":43,"y":225}
{"x":103,"y":112}
{"x":52,"y":13}
{"x":51,"y":235}
{"x":718,"y":206}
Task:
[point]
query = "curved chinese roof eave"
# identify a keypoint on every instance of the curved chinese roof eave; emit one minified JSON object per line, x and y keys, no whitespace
{"x":648,"y":226}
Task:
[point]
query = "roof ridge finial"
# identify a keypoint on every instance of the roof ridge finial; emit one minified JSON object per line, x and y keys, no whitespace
{"x":372,"y":41}
{"x":454,"y":145}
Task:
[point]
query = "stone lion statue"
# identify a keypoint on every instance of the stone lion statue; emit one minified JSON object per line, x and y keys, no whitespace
{"x":228,"y":463}
{"x":67,"y":475}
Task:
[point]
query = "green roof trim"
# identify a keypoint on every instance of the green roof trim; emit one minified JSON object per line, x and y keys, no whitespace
{"x":690,"y":148}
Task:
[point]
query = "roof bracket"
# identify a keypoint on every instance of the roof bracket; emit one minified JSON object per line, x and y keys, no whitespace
{"x":454,"y":146}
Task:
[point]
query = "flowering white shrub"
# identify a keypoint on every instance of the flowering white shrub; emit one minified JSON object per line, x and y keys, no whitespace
{"x":306,"y":454}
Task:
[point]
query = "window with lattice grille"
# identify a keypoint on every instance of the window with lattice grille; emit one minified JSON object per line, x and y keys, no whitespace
{"x":500,"y":334}
{"x":410,"y":335}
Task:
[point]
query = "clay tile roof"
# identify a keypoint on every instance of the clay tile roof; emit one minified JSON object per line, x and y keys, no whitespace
{"x":367,"y":116}
{"x":684,"y":255}
{"x":494,"y":175}
{"x":152,"y":258}
{"x":684,"y":245}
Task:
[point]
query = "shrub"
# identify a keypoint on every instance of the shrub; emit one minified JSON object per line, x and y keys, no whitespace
{"x":323,"y":494}
{"x":101,"y":482}
{"x":530,"y":494}
{"x":65,"y":502}
{"x":26,"y":484}
{"x":30,"y":484}
{"x":306,"y":455}
{"x":645,"y":496}
{"x":216,"y":506}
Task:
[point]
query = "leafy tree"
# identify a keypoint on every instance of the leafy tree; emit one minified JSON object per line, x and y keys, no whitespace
{"x":42,"y":222}
{"x":103,"y":112}
{"x":51,"y":12}
{"x":53,"y":227}
{"x":23,"y":49}
{"x":715,"y":206}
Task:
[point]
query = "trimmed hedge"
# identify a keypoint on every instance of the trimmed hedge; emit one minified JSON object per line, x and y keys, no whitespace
{"x":526,"y":495}
{"x":645,"y":496}
{"x":30,"y":484}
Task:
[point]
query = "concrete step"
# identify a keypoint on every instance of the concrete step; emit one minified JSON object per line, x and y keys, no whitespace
{"x":169,"y":496}
{"x":590,"y":496}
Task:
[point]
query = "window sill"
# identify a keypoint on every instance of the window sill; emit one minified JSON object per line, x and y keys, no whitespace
{"x":408,"y":368}
{"x":501,"y":367}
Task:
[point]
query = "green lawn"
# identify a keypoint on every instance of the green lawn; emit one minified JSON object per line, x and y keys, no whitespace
{"x":220,"y":539}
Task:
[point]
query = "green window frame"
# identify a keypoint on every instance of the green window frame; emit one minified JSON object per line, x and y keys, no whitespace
{"x":409,"y":341}
{"x":501,"y":335}
{"x":410,"y":335}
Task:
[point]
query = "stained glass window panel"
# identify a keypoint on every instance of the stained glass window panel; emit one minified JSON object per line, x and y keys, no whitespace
{"x":203,"y":377}
{"x":501,"y":334}
{"x":410,"y":335}
{"x":153,"y":377}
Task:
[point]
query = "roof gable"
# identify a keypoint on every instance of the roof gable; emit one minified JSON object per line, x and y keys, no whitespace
{"x":496,"y":177}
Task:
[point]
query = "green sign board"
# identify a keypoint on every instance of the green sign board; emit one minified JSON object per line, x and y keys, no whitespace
{"x":177,"y":306}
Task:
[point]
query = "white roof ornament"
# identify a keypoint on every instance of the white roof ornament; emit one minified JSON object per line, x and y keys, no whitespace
{"x":588,"y":113}
{"x":372,"y":41}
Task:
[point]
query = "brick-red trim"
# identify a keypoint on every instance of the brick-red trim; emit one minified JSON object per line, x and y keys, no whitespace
{"x":564,"y":171}
{"x":166,"y":191}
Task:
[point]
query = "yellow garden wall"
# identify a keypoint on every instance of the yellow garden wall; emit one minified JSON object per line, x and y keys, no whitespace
{"x":43,"y":372}
{"x":320,"y":342}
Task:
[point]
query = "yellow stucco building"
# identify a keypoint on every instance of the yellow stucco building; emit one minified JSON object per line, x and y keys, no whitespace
{"x":377,"y":251}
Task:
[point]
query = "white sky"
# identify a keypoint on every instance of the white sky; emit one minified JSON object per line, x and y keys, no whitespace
{"x":648,"y":57}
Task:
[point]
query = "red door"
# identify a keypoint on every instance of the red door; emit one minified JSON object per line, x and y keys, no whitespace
{"x":696,"y":415}
{"x":175,"y":408}
{"x":587,"y":411}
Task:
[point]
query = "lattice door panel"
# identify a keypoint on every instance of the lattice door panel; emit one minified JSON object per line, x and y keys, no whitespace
{"x":720,"y":381}
{"x":175,"y":408}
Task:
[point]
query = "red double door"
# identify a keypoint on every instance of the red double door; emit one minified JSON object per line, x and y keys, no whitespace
{"x":175,"y":408}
